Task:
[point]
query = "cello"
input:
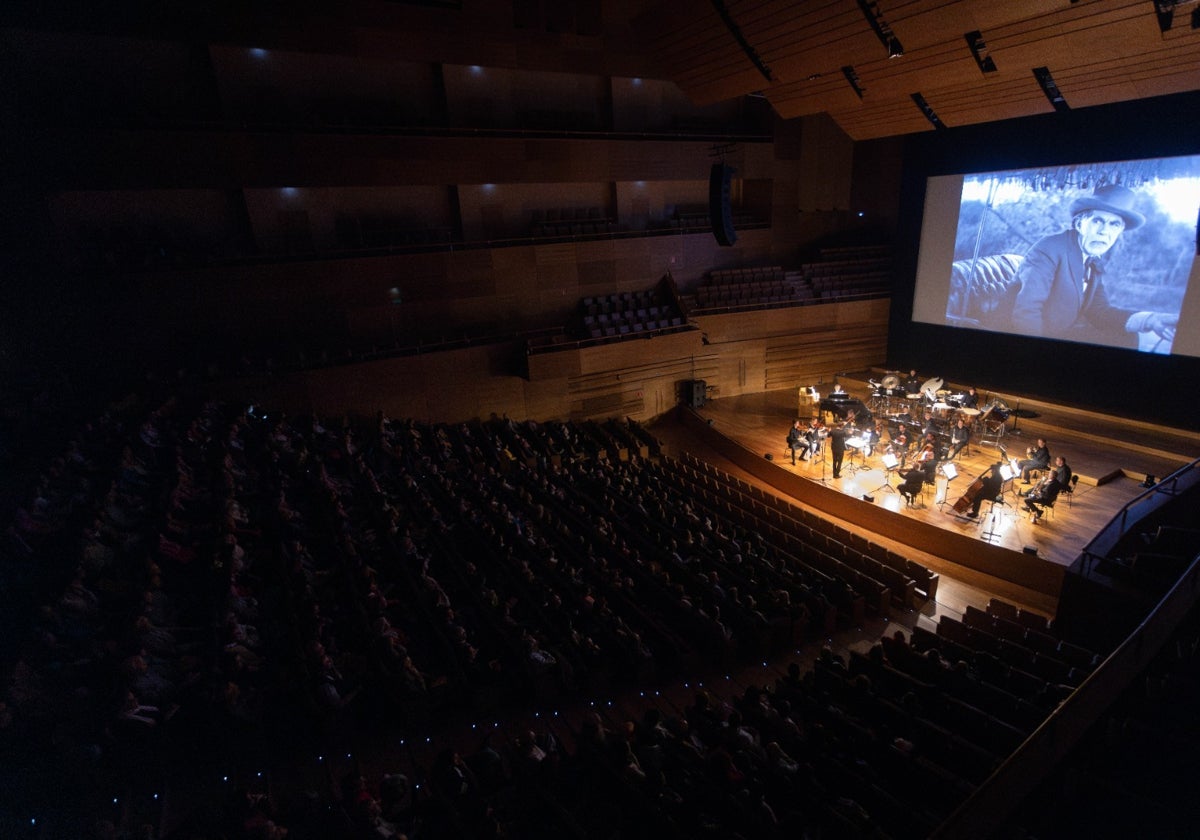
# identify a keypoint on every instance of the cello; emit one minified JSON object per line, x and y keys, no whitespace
{"x":968,"y":498}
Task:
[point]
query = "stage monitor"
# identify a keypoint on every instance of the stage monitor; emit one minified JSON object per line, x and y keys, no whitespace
{"x":1096,"y":253}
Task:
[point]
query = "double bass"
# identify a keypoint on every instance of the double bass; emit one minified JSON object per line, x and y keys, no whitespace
{"x":968,"y":498}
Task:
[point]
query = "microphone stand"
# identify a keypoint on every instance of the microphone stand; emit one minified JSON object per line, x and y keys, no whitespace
{"x":1016,"y":420}
{"x":823,"y":445}
{"x":991,"y":531}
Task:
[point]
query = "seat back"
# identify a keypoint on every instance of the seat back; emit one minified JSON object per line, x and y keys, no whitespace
{"x":983,"y":290}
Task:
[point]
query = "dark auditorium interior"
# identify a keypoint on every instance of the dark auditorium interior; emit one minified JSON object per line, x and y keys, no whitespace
{"x":393,"y":401}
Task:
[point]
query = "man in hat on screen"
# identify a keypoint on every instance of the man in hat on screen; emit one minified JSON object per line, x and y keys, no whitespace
{"x":1062,"y":287}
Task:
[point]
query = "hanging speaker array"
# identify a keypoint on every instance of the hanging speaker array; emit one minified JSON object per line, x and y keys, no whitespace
{"x":720,"y":211}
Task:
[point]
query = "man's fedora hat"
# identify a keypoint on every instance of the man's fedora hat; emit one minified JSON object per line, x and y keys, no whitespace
{"x":1112,"y":198}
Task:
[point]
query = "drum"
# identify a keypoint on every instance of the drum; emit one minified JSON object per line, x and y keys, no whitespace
{"x":998,"y":411}
{"x":969,"y":413}
{"x":912,"y":396}
{"x":941,"y":409}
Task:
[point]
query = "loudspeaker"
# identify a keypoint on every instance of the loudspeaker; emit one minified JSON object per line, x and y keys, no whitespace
{"x":769,"y":456}
{"x":698,"y":393}
{"x":1030,"y":549}
{"x":720,"y":211}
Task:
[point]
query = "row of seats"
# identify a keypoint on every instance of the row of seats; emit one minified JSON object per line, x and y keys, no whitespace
{"x":910,"y":579}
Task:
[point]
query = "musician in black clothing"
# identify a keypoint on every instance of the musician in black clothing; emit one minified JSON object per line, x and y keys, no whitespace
{"x":812,"y":435}
{"x":1048,"y":489}
{"x":796,"y":442}
{"x":1038,"y":459}
{"x":993,"y":481}
{"x":913,"y":385}
{"x":960,"y":435}
{"x":914,"y":480}
{"x":837,"y":447}
{"x":899,"y":444}
{"x":969,"y":399}
{"x":923,"y":471}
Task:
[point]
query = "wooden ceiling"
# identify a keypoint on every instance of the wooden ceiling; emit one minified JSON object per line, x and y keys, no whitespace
{"x":1097,"y":52}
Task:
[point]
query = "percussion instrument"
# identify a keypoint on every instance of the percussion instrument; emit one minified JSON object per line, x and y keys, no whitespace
{"x":912,"y":396}
{"x":998,"y":410}
{"x":969,"y":412}
{"x":891,"y":382}
{"x":941,"y":409}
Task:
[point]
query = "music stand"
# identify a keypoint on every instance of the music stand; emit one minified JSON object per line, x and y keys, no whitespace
{"x":853,"y":444}
{"x":890,"y":462}
{"x":1008,"y":472}
{"x":824,"y":447}
{"x":942,"y":490}
{"x":991,"y":531}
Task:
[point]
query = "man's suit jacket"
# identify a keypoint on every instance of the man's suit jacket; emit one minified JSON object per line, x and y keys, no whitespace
{"x":1052,"y":303}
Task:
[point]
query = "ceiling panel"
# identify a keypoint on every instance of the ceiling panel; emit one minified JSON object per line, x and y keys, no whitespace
{"x":1098,"y":52}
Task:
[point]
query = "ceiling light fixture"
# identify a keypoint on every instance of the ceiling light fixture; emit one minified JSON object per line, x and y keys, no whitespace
{"x":880,"y":27}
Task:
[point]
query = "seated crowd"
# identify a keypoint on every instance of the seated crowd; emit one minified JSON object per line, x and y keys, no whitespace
{"x":215,"y":588}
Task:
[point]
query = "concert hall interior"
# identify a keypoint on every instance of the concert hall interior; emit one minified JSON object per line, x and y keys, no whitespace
{"x":595,"y":420}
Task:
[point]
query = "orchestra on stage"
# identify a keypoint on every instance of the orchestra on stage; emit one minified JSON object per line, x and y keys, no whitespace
{"x":918,"y":428}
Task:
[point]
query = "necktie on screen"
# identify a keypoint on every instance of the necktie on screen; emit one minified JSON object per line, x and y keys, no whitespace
{"x":1091,"y":275}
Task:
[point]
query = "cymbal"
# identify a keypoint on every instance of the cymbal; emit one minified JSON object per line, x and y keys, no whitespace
{"x":890,"y":381}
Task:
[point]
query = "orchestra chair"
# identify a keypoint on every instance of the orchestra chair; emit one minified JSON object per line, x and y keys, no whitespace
{"x":1048,"y":507}
{"x":1070,"y":490}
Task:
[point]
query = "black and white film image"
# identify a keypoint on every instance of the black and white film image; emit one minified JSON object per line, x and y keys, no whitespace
{"x":1093,"y":253}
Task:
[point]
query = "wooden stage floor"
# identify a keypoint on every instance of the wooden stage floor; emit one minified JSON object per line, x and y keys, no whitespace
{"x":1111,"y":455}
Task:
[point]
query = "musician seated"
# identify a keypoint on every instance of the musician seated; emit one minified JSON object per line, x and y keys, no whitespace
{"x":1047,"y":490}
{"x":813,"y":436}
{"x":914,"y":480}
{"x":986,"y":489}
{"x":960,"y":435}
{"x":872,"y":438}
{"x":899,"y":445}
{"x":1037,"y":458}
{"x":796,"y":442}
{"x":923,"y":471}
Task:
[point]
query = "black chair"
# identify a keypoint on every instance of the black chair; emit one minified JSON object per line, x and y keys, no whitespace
{"x":1070,"y":490}
{"x":912,"y":487}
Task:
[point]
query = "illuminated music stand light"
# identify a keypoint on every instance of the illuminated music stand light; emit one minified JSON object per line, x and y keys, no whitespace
{"x":942,"y":486}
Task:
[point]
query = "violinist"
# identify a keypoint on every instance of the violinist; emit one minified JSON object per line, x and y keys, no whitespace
{"x":922,"y":471}
{"x":898,"y":446}
{"x":813,"y":435}
{"x":796,"y":442}
{"x":872,"y":438}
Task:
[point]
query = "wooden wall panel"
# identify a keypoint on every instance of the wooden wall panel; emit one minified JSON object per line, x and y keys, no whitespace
{"x":640,"y":378}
